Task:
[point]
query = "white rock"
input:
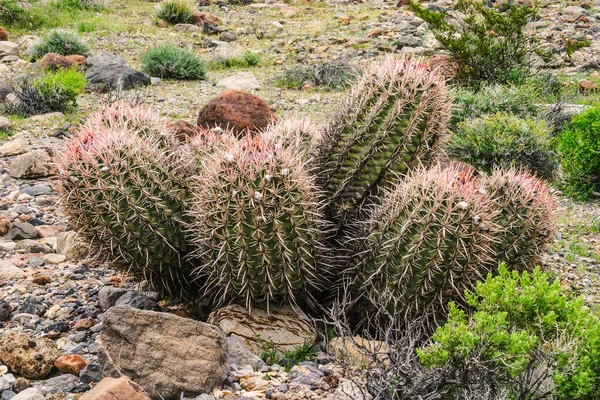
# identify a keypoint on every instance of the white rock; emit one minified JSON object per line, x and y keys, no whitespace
{"x":7,"y":246}
{"x":9,"y":272}
{"x":30,"y":394}
{"x":54,"y":258}
{"x":24,"y":197}
{"x":4,"y":124}
{"x":575,"y":11}
{"x":240,"y":81}
{"x":4,"y":68}
{"x":8,"y":49}
{"x":13,"y":147}
{"x":28,"y":40}
{"x":44,"y":117}
{"x":3,"y":369}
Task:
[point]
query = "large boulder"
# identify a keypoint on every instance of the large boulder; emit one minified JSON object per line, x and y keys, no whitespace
{"x":34,"y":164}
{"x":165,"y":354}
{"x":8,"y":49}
{"x":107,"y":71}
{"x":31,"y":357}
{"x":238,"y":111}
{"x":115,"y":389}
{"x":286,"y":327}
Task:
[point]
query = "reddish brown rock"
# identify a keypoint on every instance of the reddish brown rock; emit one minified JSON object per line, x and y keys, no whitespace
{"x":237,"y":111}
{"x":115,"y":389}
{"x":75,"y":59}
{"x":50,"y":230}
{"x":3,"y":34}
{"x":54,"y":61}
{"x":85,"y":324}
{"x":42,"y":280}
{"x":4,"y":225}
{"x":162,"y":23}
{"x":201,"y":18}
{"x":70,"y":364}
{"x":183,"y":130}
{"x":587,"y":86}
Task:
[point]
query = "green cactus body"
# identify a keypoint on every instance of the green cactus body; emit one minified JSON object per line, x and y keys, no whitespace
{"x":393,"y":121}
{"x":424,"y":245}
{"x":259,"y":224}
{"x":526,"y":219}
{"x":127,"y":198}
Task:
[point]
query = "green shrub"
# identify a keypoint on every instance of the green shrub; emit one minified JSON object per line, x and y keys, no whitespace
{"x":83,"y":27}
{"x":53,"y":91}
{"x":504,"y":140}
{"x":578,"y":148}
{"x":522,"y":101}
{"x":170,"y":61}
{"x":234,"y":60}
{"x":488,"y":43}
{"x":176,"y":12}
{"x":335,"y":75}
{"x":13,"y":15}
{"x":520,"y":328}
{"x":60,"y":41}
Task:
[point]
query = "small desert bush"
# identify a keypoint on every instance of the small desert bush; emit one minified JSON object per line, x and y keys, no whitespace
{"x":12,"y":14}
{"x":522,"y":101}
{"x":335,"y":75}
{"x":52,"y":91}
{"x":176,"y":11}
{"x":578,"y":149}
{"x":488,"y":42}
{"x":60,"y":41}
{"x":522,"y":338}
{"x":170,"y":61}
{"x":504,"y":140}
{"x":75,"y":5}
{"x":232,"y":59}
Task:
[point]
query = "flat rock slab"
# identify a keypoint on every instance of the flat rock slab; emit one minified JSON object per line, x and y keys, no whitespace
{"x":240,"y":81}
{"x":165,"y":354}
{"x":287,"y":327}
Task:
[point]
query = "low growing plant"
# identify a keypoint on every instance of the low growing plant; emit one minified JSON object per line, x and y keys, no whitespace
{"x":246,"y":60}
{"x":176,"y":12}
{"x":504,"y":140}
{"x":60,"y":41}
{"x":578,"y":149}
{"x":522,"y":337}
{"x":170,"y":61}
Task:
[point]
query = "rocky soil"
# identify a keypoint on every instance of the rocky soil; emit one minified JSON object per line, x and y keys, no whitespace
{"x":54,"y":296}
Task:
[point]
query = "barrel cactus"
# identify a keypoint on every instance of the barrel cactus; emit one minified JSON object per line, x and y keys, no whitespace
{"x":393,"y":121}
{"x":424,"y":245}
{"x":299,"y":132}
{"x":525,"y":221}
{"x":128,"y":198}
{"x":259,"y":225}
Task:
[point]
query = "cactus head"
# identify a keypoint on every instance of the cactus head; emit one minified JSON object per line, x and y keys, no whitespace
{"x":259,"y":224}
{"x":424,"y":245}
{"x":526,"y":220}
{"x":126,"y":196}
{"x":393,"y":121}
{"x":297,"y":132}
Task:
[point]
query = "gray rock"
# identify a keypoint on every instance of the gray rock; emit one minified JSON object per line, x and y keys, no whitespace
{"x":108,"y":296}
{"x":240,"y":81}
{"x":5,"y":310}
{"x":31,"y":305}
{"x":186,"y":28}
{"x":239,"y":354}
{"x":30,"y":394}
{"x":34,"y":164}
{"x":33,"y":246}
{"x":8,"y":395}
{"x":4,"y":123}
{"x":58,"y":384}
{"x":4,"y":385}
{"x":9,"y":272}
{"x":575,"y":11}
{"x":46,"y":116}
{"x":228,"y":36}
{"x":137,"y":300}
{"x":91,"y":373}
{"x":36,"y":190}
{"x":108,"y":71}
{"x":205,"y":397}
{"x":22,"y":230}
{"x":8,"y":49}
{"x":163,"y":353}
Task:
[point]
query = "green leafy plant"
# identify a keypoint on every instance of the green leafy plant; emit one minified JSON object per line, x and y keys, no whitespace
{"x":12,"y":14}
{"x":572,"y":45}
{"x":504,"y":140}
{"x":522,"y":101}
{"x":53,"y":91}
{"x":84,"y":27}
{"x":234,"y":60}
{"x":60,"y":41}
{"x":578,"y":148}
{"x":176,"y":11}
{"x":487,"y":43}
{"x":522,"y":336}
{"x":170,"y":61}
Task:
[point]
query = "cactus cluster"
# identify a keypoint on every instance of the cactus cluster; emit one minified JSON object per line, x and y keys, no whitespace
{"x":259,"y":224}
{"x":128,"y":199}
{"x":393,"y":121}
{"x":290,"y":214}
